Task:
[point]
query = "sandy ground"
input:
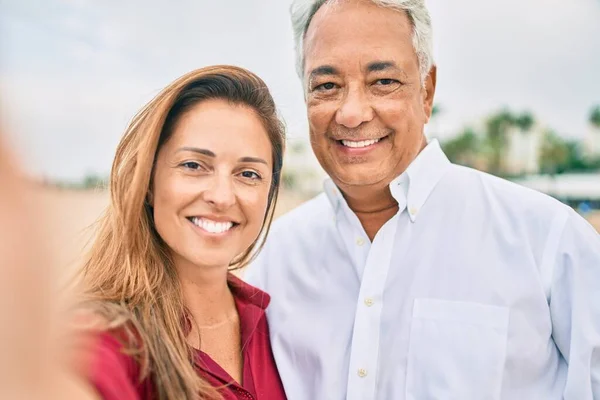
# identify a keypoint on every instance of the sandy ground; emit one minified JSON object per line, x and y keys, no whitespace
{"x":595,"y":220}
{"x":71,"y":216}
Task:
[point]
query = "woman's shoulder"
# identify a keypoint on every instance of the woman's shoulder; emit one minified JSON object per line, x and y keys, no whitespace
{"x":110,"y":325}
{"x":114,"y":371}
{"x":111,"y":350}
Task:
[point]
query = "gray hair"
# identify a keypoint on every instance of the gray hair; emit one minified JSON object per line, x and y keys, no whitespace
{"x":302,"y":12}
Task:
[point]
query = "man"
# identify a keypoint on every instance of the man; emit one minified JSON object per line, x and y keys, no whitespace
{"x":411,"y":277}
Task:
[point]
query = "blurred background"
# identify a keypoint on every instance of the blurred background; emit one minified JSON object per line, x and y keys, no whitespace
{"x":518,"y":90}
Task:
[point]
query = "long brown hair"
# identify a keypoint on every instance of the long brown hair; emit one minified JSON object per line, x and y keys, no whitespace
{"x":128,"y":277}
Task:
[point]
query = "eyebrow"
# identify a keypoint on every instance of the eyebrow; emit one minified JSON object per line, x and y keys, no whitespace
{"x":252,"y":160}
{"x":382,"y":66}
{"x":323,"y":70}
{"x":375,"y":66}
{"x":209,"y":153}
{"x":198,"y":150}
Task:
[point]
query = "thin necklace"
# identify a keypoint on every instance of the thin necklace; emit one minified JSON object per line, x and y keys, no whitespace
{"x":230,"y":318}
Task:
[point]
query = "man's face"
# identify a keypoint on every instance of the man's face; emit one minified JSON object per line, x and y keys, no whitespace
{"x":365,"y":99}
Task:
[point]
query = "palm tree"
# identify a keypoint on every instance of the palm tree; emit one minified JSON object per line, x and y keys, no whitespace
{"x":497,"y":127}
{"x":595,"y":117}
{"x":576,"y":160}
{"x":592,"y":149}
{"x":555,"y":154}
{"x":524,"y":121}
{"x":463,"y":149}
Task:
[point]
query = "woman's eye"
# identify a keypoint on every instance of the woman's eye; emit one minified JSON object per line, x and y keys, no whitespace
{"x":191,"y":165}
{"x":250,"y":175}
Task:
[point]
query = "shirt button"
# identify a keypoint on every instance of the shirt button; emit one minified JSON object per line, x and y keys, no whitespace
{"x":369,"y":302}
{"x":412,"y":211}
{"x":362,"y":372}
{"x":360,"y":241}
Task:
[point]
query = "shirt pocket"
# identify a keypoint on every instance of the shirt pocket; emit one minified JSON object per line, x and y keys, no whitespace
{"x":457,"y":350}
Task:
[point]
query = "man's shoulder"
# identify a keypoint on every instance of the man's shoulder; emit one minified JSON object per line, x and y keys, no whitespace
{"x":292,"y":237}
{"x":298,"y":230}
{"x":308,"y":216}
{"x":506,"y":194}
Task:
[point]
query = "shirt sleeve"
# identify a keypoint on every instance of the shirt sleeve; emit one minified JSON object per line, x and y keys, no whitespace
{"x":575,"y":307}
{"x":114,"y":375}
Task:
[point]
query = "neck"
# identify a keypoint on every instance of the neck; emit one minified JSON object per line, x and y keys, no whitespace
{"x":373,"y":206}
{"x":206,"y":294}
{"x":368,"y":199}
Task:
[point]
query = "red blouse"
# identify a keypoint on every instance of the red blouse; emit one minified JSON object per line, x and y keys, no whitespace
{"x":115,"y":375}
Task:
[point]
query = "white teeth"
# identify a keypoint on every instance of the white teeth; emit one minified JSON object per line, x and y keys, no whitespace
{"x":212,"y":226}
{"x":362,"y":143}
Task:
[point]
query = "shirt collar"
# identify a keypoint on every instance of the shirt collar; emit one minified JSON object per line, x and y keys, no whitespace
{"x":412,"y":188}
{"x":251,"y":303}
{"x":247,"y":294}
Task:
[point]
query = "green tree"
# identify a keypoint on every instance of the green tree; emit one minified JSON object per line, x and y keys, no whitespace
{"x":558,"y":156}
{"x":464,"y":149}
{"x":496,"y":136}
{"x":555,"y":154}
{"x":576,"y":162}
{"x":595,"y":117}
{"x":524,"y":121}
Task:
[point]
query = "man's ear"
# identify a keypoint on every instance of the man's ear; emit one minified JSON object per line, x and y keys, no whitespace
{"x":429,"y":87}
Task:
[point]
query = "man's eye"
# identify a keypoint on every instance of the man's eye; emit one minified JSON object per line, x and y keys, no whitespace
{"x":386,"y":81}
{"x":325,"y":86}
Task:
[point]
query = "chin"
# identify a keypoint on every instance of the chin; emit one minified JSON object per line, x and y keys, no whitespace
{"x":358,"y":177}
{"x":203,"y":259}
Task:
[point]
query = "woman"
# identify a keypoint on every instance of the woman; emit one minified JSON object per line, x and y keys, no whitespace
{"x":193,"y":191}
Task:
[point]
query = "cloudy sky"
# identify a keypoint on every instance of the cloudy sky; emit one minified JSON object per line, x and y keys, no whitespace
{"x":73,"y":72}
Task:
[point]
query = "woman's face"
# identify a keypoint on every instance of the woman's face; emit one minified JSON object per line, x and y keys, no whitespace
{"x":211,"y":184}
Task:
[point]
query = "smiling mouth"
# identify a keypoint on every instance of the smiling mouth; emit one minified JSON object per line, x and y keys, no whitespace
{"x":360,"y":144}
{"x":210,"y":226}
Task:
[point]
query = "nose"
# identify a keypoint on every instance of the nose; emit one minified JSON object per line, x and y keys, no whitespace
{"x":355,"y":109}
{"x":220,"y":192}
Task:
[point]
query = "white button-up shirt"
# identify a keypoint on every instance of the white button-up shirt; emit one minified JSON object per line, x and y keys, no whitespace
{"x":476,"y":289}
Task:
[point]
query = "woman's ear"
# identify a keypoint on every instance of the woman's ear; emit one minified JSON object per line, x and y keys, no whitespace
{"x":150,"y":198}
